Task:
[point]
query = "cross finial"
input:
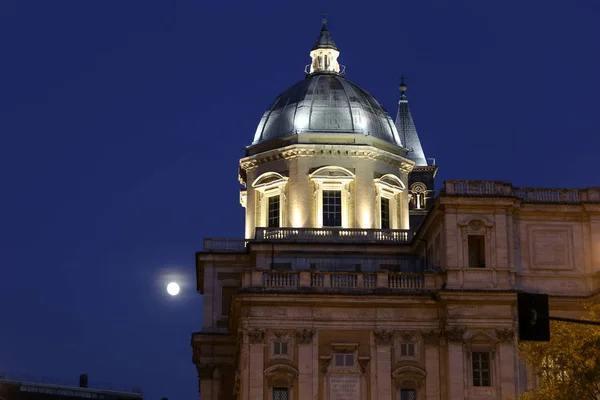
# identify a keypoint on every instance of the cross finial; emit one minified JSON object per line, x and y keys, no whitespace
{"x":403,"y":86}
{"x":324,"y":20}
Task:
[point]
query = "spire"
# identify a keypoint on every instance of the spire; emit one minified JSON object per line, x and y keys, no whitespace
{"x":324,"y":41}
{"x":407,"y":130}
{"x":324,"y":53}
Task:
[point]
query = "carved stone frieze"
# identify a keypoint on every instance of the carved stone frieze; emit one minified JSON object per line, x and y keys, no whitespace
{"x":256,"y":336}
{"x":454,"y":334}
{"x":305,"y":336}
{"x":383,"y":338}
{"x":505,"y":335}
{"x":431,"y":338}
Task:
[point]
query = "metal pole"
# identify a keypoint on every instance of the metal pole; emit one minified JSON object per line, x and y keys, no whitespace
{"x":574,"y":321}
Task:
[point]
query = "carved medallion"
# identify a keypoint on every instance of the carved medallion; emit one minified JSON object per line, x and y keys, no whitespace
{"x":305,"y":336}
{"x":383,"y":338}
{"x":280,"y":334}
{"x":256,"y":336}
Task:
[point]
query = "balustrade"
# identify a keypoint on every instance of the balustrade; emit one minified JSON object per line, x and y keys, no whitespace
{"x":351,"y":235}
{"x":529,"y":195}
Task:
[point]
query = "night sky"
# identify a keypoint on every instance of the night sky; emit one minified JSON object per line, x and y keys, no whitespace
{"x":122,"y":122}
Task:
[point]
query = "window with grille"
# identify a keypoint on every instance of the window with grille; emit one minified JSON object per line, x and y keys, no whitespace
{"x":273,"y":212}
{"x":343,"y":360}
{"x":408,"y":394}
{"x":481,"y":368}
{"x":385,"y":213}
{"x":407,"y":349}
{"x":280,"y":394}
{"x":332,"y":208}
{"x":280,"y":348}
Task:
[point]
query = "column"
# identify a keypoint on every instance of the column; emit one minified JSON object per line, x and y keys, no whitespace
{"x":306,"y":369}
{"x":431,"y":341}
{"x":456,"y":364}
{"x":256,"y":340}
{"x":383,"y":342}
{"x":507,"y":362}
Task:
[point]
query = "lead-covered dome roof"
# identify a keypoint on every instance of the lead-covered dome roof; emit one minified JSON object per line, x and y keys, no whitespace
{"x":326,"y":103}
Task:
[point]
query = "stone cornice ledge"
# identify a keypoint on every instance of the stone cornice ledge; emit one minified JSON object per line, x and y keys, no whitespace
{"x":346,"y":150}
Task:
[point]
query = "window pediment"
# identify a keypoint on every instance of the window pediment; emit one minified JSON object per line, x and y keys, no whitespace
{"x":405,"y":375}
{"x":332,"y":173}
{"x":391,"y":183}
{"x":269,"y":180}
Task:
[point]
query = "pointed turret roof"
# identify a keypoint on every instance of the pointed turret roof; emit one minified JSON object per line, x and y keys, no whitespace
{"x":407,"y":130}
{"x":324,"y":41}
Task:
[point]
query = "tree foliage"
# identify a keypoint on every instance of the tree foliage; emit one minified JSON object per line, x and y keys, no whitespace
{"x":568,"y":366}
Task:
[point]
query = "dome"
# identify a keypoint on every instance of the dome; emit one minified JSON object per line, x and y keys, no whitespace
{"x":326,"y":103}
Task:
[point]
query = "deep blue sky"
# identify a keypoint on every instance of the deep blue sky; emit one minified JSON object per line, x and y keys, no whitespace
{"x":122,"y":122}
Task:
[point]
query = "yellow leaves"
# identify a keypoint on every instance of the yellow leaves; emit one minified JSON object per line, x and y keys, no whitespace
{"x":568,"y":365}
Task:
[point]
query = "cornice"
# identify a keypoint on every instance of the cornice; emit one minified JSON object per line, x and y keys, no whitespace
{"x":312,"y":150}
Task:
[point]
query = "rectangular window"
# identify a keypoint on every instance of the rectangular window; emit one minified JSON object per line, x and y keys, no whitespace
{"x":407,"y":394}
{"x":226,"y":293}
{"x":280,"y":348}
{"x":407,"y":350}
{"x":476,"y":245}
{"x":385,"y":213}
{"x":273,"y":212}
{"x":332,"y":208}
{"x":481,"y":368}
{"x":280,"y":394}
{"x":343,"y":360}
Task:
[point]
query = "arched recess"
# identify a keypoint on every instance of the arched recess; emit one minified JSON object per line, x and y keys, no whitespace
{"x":270,"y":193}
{"x":331,"y":182}
{"x":418,"y":192}
{"x":409,"y":377}
{"x":281,"y":377}
{"x":388,"y":189}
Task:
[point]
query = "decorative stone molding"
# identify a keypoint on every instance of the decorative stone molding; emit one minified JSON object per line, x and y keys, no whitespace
{"x":383,"y":338}
{"x":281,"y":374}
{"x":324,"y":362}
{"x":454,"y":334}
{"x":409,"y":376}
{"x":256,"y":336}
{"x":291,"y":153}
{"x":431,"y":338}
{"x":406,"y":336}
{"x":305,"y":336}
{"x":505,"y":335}
{"x":363,"y":363}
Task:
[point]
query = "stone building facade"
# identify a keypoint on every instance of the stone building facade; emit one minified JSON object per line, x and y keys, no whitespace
{"x":354,"y":282}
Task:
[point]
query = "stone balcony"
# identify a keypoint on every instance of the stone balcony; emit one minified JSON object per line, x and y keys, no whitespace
{"x":384,"y":282}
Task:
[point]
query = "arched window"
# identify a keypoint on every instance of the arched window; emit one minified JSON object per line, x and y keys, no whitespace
{"x":270,"y":199}
{"x":332,"y":192}
{"x":419,"y":191}
{"x":388,"y":187}
{"x":280,"y":379}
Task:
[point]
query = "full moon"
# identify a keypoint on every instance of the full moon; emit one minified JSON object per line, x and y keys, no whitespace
{"x":173,"y":288}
